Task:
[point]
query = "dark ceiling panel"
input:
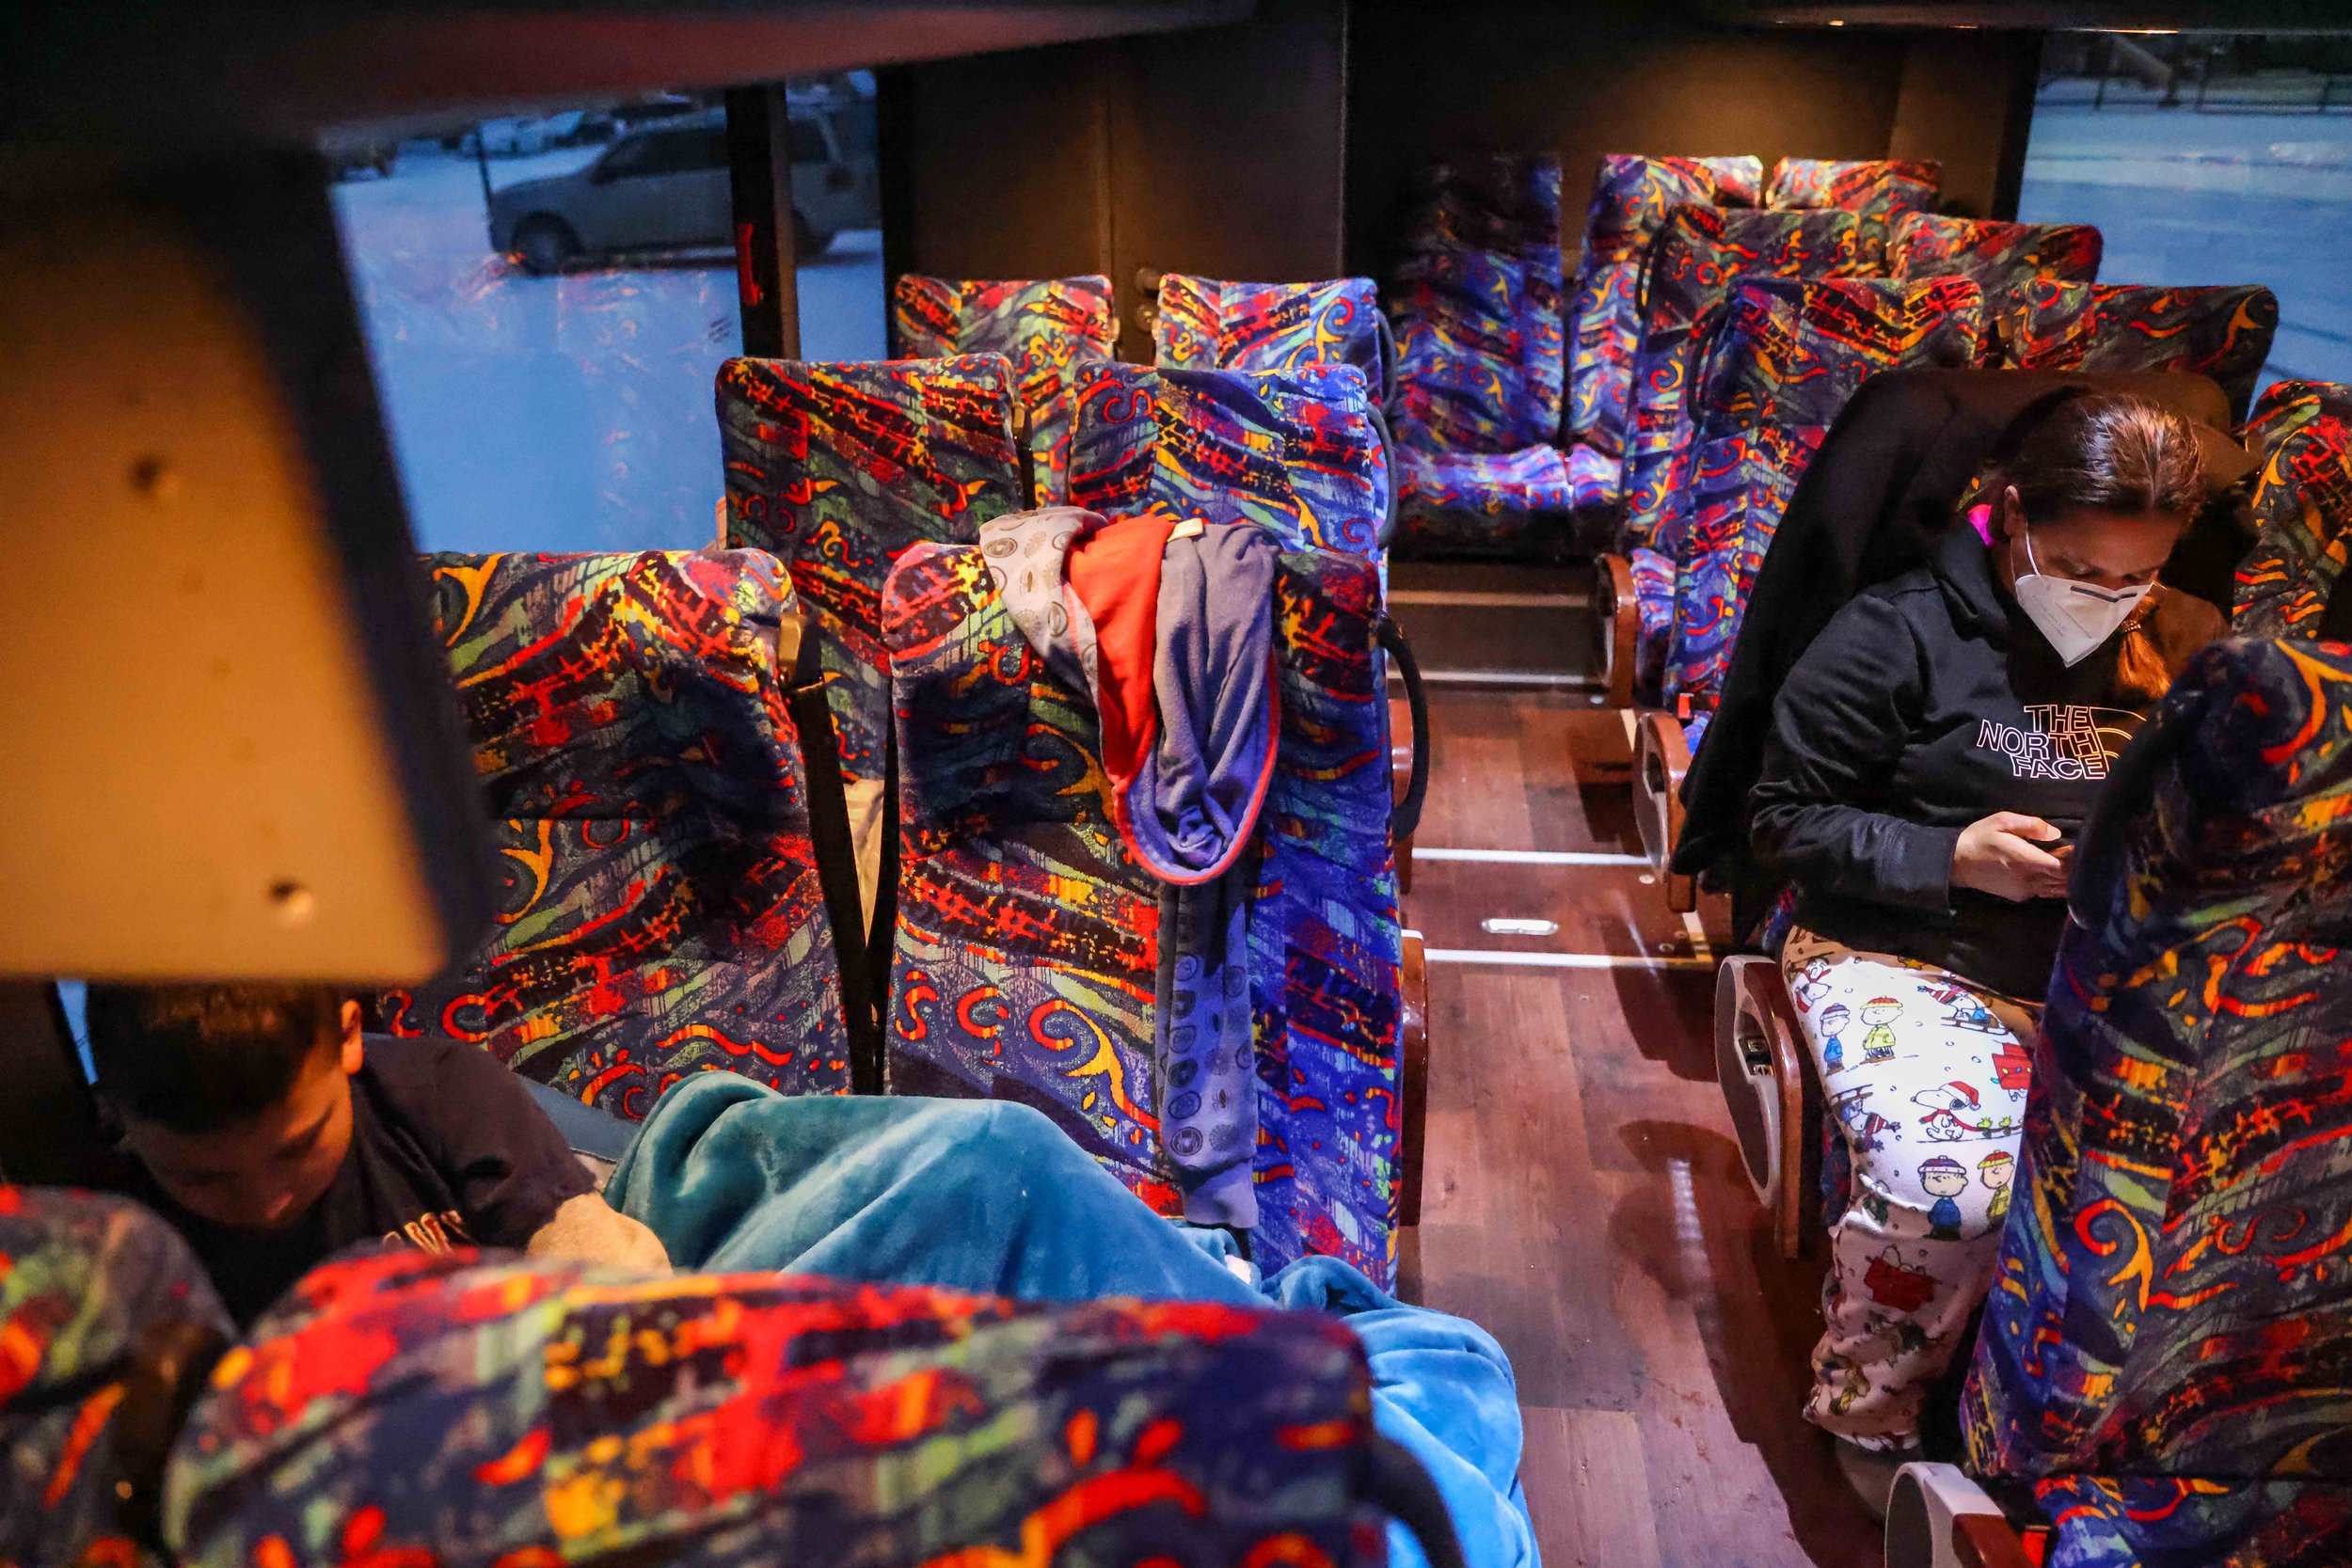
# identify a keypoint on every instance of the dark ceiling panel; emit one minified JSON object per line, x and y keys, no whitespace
{"x":2222,"y":16}
{"x":146,"y":74}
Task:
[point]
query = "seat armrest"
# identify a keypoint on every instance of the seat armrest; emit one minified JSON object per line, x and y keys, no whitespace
{"x":1619,"y":625}
{"x":1662,"y":759}
{"x":1401,"y":743}
{"x":1413,"y":1086}
{"x":1939,"y":1518}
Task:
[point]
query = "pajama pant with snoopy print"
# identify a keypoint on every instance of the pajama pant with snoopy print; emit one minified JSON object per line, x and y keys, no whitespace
{"x":1926,"y":1075}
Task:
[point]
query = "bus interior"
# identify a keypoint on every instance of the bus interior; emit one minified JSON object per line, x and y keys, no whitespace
{"x":1177,"y":613}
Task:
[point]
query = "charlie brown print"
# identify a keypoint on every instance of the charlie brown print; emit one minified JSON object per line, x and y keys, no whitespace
{"x":1944,"y":1179}
{"x":1833,"y":1023}
{"x":1926,"y":1075}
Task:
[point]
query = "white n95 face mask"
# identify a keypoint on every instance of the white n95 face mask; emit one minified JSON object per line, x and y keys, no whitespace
{"x":2074,"y":617}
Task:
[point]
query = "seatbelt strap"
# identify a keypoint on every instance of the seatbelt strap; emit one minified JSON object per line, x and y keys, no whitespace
{"x":837,"y":860}
{"x":1022,"y":430}
{"x":881,"y":939}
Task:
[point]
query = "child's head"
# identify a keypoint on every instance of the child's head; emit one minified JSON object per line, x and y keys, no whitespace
{"x":1943,"y":1176}
{"x":237,"y":1099}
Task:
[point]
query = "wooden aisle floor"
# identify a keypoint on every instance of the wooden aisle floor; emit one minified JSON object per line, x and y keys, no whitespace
{"x":1584,"y":1200}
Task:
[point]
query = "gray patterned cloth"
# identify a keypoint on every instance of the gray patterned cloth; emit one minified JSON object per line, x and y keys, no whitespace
{"x":1025,"y":552}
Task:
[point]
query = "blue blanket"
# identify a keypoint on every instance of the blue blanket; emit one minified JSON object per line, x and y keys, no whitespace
{"x":990,"y":1197}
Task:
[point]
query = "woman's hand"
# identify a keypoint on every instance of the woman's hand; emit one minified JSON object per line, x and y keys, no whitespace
{"x":1999,"y":855}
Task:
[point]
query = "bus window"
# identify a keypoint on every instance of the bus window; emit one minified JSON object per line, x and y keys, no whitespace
{"x":547,"y":299}
{"x":73,"y":997}
{"x":2207,"y":158}
{"x":836,"y":188}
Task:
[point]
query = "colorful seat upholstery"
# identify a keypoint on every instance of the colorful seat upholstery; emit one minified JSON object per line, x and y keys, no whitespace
{"x":87,"y":1283}
{"x":1632,"y":196}
{"x":1593,"y":478}
{"x":2222,"y":331}
{"x":405,"y":1409}
{"x":1698,"y":256}
{"x":1027,"y":935}
{"x":2302,"y":509}
{"x":661,"y":911}
{"x":1879,"y":190}
{"x":1300,"y":452}
{"x":1997,"y":256}
{"x":1653,"y":575}
{"x":837,"y":469}
{"x":1047,"y":328}
{"x":1205,"y":324}
{"x":1477,"y":307}
{"x":1478,"y":498}
{"x":1789,"y":355}
{"x":2161,"y":1351}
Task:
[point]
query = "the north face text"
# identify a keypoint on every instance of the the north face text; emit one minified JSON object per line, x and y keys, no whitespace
{"x":2061,"y":740}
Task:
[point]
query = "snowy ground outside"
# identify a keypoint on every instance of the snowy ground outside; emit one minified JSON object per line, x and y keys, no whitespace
{"x":566,"y":413}
{"x":2185,"y":197}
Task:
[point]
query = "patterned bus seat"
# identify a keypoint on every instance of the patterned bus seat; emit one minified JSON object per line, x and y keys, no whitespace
{"x":2220,"y":330}
{"x":1593,"y":477}
{"x":1997,"y":256}
{"x":1698,"y":256}
{"x":1632,"y":196}
{"x":662,"y":913}
{"x":837,"y":469}
{"x":1027,"y":935}
{"x":1047,"y":328}
{"x":1478,"y":498}
{"x":90,"y":1286}
{"x":2161,"y":1350}
{"x":1300,"y":452}
{"x":2302,"y":509}
{"x":1653,"y":575}
{"x":403,"y":1409}
{"x":1205,"y":324}
{"x":1788,"y":357}
{"x":1477,"y":304}
{"x":1879,"y":190}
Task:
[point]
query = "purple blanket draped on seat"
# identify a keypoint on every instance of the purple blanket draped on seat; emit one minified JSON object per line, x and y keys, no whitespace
{"x":1191,"y":807}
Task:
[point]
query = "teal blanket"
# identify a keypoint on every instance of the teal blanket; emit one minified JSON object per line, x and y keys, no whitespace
{"x":990,"y":1197}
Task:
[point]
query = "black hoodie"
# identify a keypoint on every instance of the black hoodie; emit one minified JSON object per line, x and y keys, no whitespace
{"x":1927,"y":702}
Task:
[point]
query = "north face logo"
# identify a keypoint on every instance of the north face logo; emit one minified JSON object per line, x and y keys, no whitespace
{"x":2061,"y":741}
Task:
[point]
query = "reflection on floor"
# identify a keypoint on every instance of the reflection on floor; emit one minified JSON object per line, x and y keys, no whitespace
{"x":1584,"y":1200}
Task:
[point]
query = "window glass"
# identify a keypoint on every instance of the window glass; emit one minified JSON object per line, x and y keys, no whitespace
{"x":808,"y":141}
{"x":2208,"y":158}
{"x":545,"y":343}
{"x":844,"y":301}
{"x":853,"y":127}
{"x":74,"y":996}
{"x":545,"y":337}
{"x":630,"y":155}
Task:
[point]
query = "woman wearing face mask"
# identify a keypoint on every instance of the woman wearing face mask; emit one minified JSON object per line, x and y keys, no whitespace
{"x":1931,"y":757}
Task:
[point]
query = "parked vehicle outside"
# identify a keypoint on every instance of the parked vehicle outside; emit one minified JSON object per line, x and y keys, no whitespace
{"x":665,"y":187}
